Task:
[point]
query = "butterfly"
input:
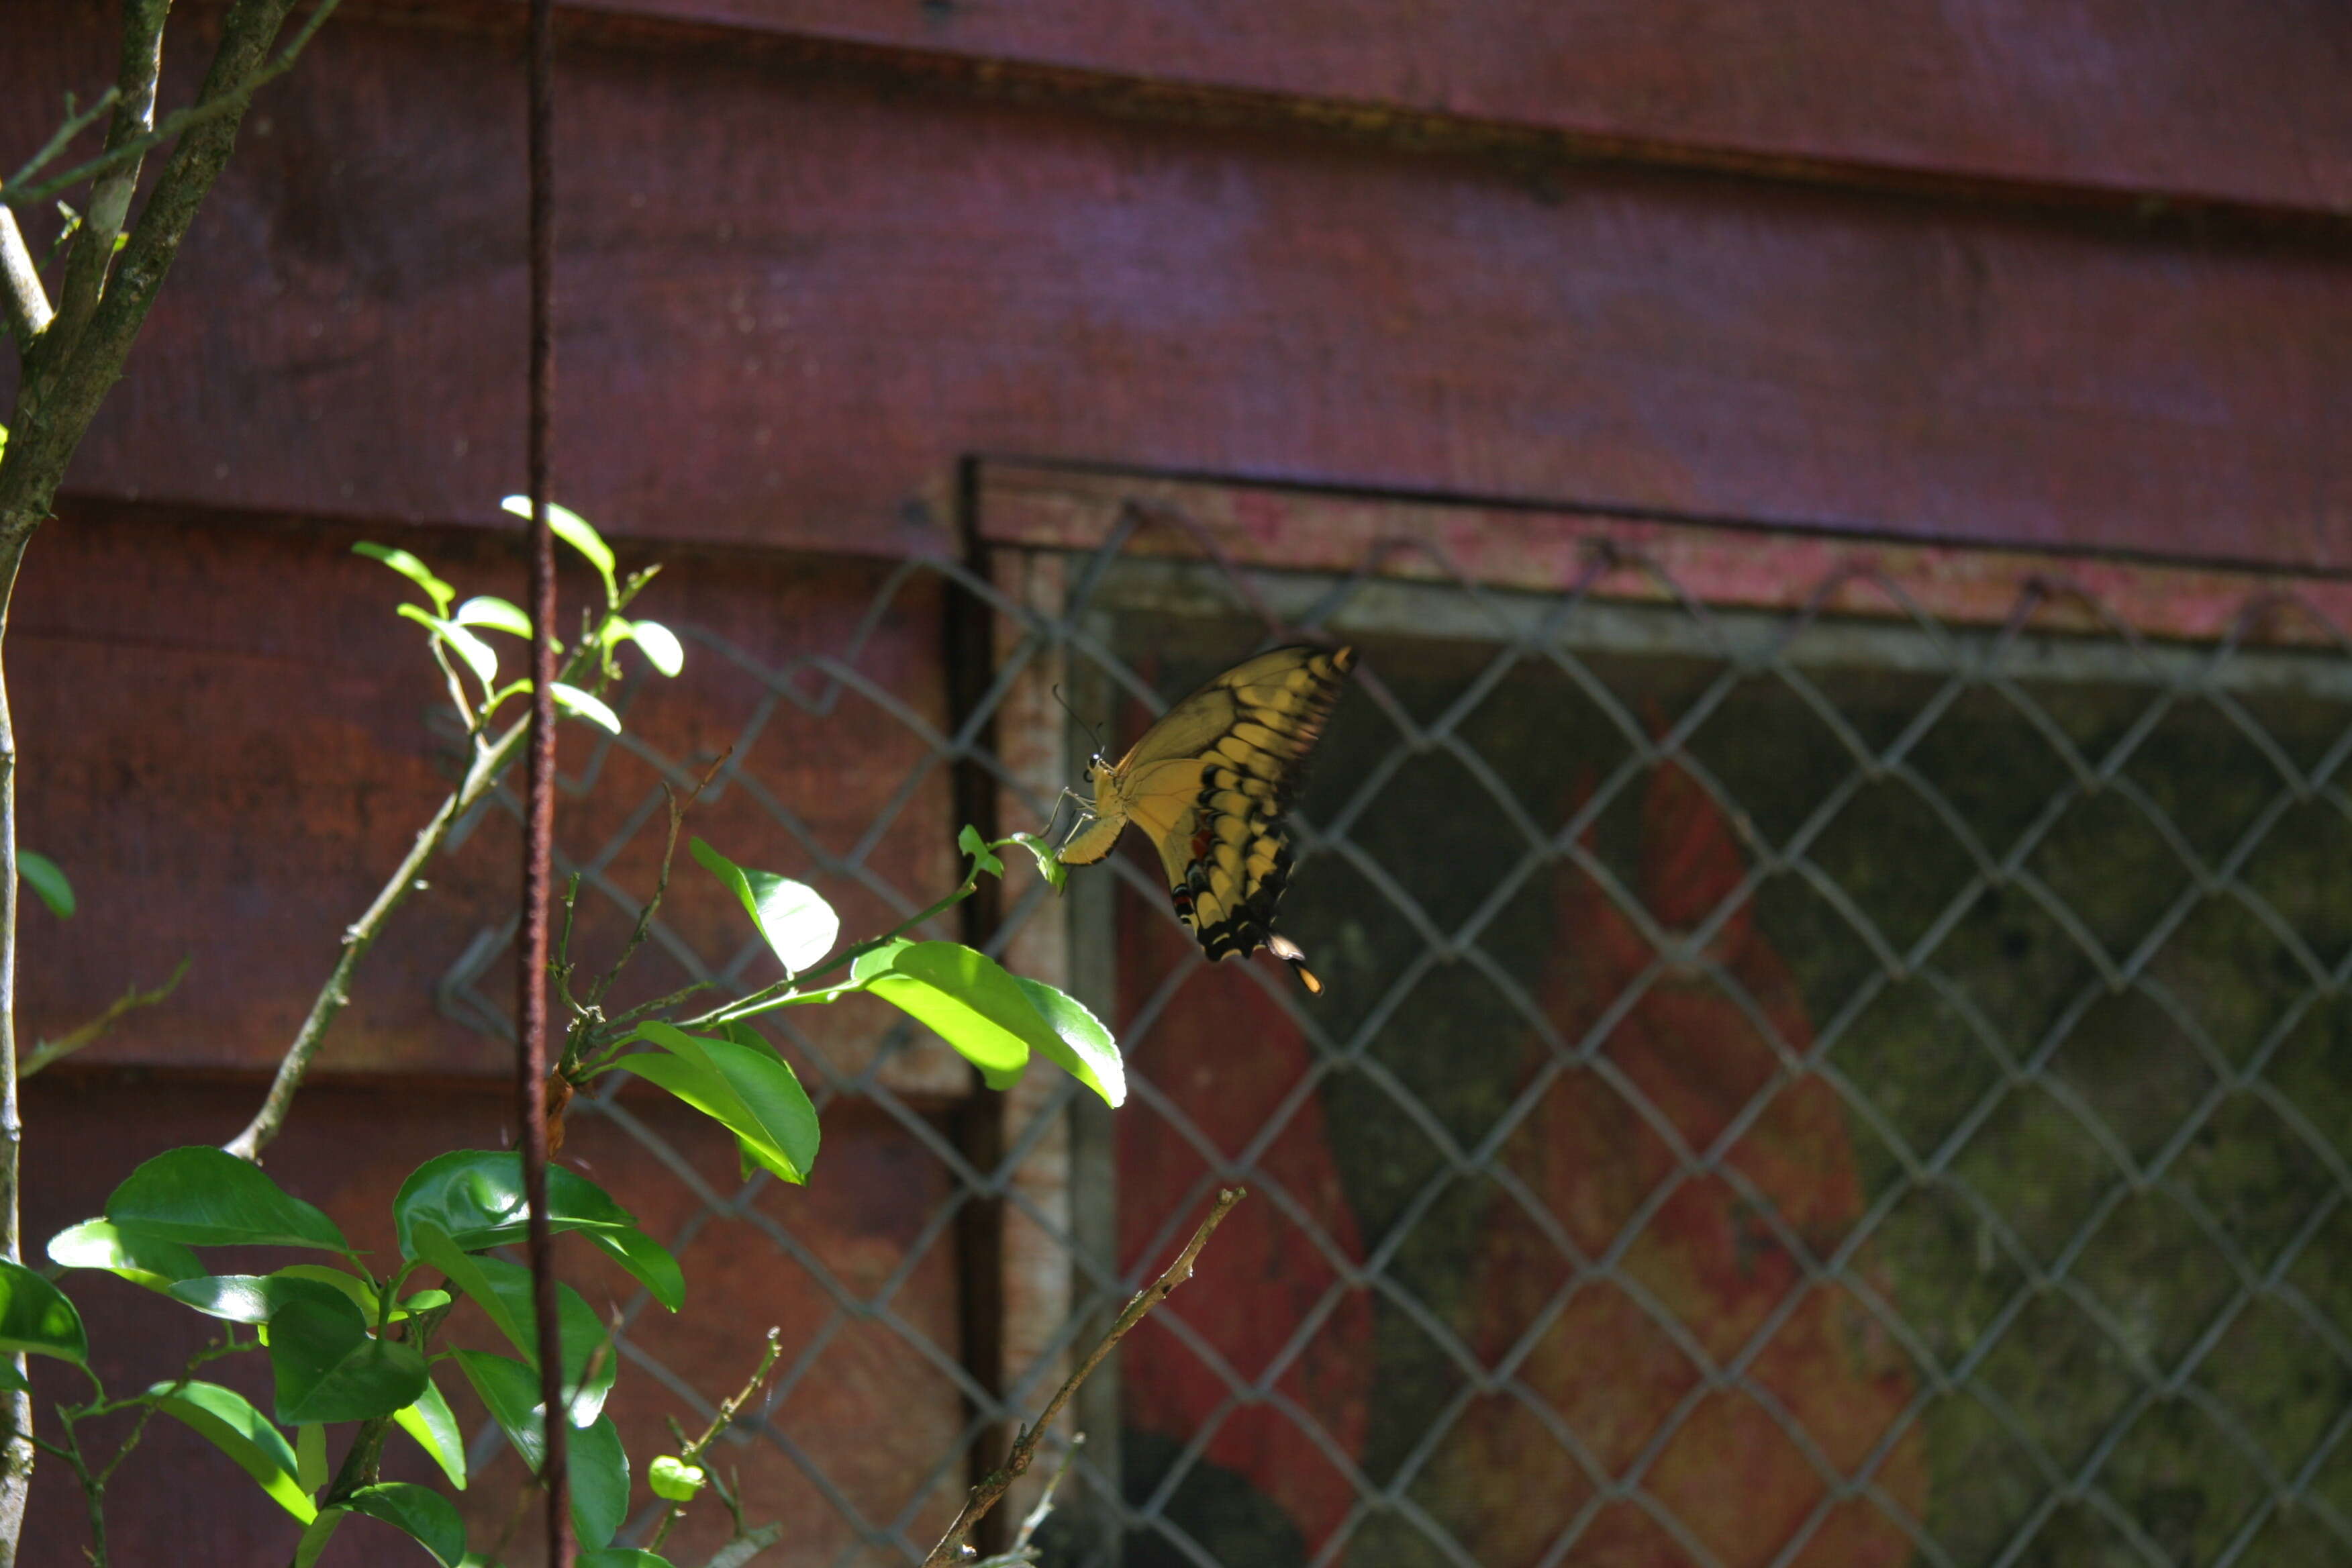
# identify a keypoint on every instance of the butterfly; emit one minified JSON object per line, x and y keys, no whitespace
{"x":1210,"y":782}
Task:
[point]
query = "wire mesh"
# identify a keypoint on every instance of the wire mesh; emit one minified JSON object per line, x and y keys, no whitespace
{"x":1793,"y":1087}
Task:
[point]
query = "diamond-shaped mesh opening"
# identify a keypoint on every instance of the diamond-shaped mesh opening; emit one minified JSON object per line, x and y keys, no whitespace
{"x":1790,"y":1088}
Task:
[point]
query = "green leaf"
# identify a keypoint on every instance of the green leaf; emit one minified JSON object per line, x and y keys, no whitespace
{"x":600,"y":1470}
{"x":329,"y":1369}
{"x":748,"y":1090}
{"x":11,"y":1380}
{"x":493,"y":613}
{"x":503,"y":1290}
{"x":662,"y":649}
{"x":410,"y":567}
{"x":963,"y":995}
{"x":314,"y":1539}
{"x":647,"y":1259}
{"x":204,"y":1196}
{"x":310,"y":1456}
{"x":148,"y":1261}
{"x":982,"y":857}
{"x":424,"y":1515}
{"x":1077,"y":1043}
{"x":621,"y":1557}
{"x":675,"y":1480}
{"x":430,"y":1422}
{"x":479,"y":657}
{"x":224,"y":1418}
{"x":1049,"y":860}
{"x":600,"y":1482}
{"x":40,"y":873}
{"x":579,"y":704}
{"x":797,"y":923}
{"x":361,"y":1293}
{"x":254,"y":1297}
{"x":573,"y":529}
{"x":476,"y":1195}
{"x":36,"y":1316}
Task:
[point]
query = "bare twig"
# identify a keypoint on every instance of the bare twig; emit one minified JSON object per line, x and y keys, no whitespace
{"x":1025,"y":1447}
{"x":678,"y":810}
{"x":74,"y":124}
{"x":81,"y":1034}
{"x":482,"y":773}
{"x":692,"y":1452}
{"x":1023,"y":1548}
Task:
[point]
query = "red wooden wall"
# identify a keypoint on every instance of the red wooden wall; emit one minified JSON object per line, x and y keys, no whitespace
{"x":2048,"y":275}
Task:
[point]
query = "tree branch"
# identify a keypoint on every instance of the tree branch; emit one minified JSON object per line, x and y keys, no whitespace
{"x":109,"y":204}
{"x":986,"y":1494}
{"x":16,"y":193}
{"x":23,"y":300}
{"x":62,"y":393}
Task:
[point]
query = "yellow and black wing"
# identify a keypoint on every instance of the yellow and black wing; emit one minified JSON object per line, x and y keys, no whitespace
{"x":1211,"y":782}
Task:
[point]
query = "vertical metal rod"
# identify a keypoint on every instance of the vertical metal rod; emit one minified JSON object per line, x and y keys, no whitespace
{"x":539,"y":829}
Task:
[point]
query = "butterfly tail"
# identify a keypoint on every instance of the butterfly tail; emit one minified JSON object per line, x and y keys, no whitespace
{"x":1283,"y":948}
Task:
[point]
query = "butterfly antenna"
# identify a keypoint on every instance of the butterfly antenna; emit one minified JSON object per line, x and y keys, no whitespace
{"x":1093,"y":733}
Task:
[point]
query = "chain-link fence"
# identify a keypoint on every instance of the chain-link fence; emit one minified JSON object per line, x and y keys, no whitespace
{"x":1792,"y":1087}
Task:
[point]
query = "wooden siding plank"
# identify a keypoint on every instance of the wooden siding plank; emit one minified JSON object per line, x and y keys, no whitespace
{"x":2213,"y":100}
{"x":915,"y":279}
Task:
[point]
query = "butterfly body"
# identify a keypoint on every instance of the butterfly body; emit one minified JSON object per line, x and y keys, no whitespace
{"x":1210,"y":783}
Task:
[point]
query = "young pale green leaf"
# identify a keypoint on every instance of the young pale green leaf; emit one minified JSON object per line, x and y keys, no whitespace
{"x":582,"y":705}
{"x":1049,"y":860}
{"x":148,"y":1261}
{"x":748,"y":1089}
{"x":226,"y":1420}
{"x":410,"y":567}
{"x":476,"y":1195}
{"x":204,"y":1196}
{"x":672,"y":1479}
{"x":431,"y":1423}
{"x":479,"y":657}
{"x":40,"y":873}
{"x":976,"y":849}
{"x":600,"y":1470}
{"x":647,"y":1260}
{"x":36,"y":1316}
{"x":660,"y":645}
{"x":1077,"y":1041}
{"x":503,"y":1290}
{"x":253,"y":1297}
{"x":798,"y":925}
{"x":493,"y":613}
{"x":422,"y":1514}
{"x":965,"y":997}
{"x":574,"y":529}
{"x":329,"y":1369}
